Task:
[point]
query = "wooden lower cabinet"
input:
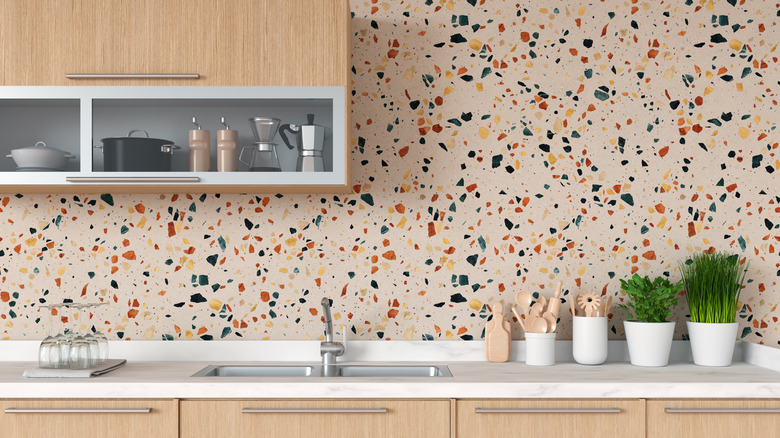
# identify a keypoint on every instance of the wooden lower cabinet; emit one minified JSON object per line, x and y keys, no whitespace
{"x":89,"y":418}
{"x":712,"y":418}
{"x":315,"y":418}
{"x":551,"y":418}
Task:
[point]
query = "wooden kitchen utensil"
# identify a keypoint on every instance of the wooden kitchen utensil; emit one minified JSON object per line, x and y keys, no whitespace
{"x":497,"y":336}
{"x":524,"y":300}
{"x":552,"y":321}
{"x":538,"y":325}
{"x":539,"y":307}
{"x":589,"y":302}
{"x":519,"y":319}
{"x":554,"y":305}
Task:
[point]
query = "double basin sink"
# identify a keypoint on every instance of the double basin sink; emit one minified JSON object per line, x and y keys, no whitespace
{"x":372,"y":370}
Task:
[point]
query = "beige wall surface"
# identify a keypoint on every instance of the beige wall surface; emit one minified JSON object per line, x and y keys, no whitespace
{"x":496,"y":146}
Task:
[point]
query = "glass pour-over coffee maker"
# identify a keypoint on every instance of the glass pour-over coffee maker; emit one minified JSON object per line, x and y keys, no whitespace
{"x":263,"y":157}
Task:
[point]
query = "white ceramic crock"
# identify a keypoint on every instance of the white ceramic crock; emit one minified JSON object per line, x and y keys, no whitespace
{"x":589,"y":339}
{"x":540,"y":349}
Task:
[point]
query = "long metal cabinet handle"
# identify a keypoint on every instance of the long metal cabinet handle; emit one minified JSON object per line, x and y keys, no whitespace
{"x":722,"y":411}
{"x":77,"y":411}
{"x":132,"y":76}
{"x":132,"y":179}
{"x":314,"y":411}
{"x":547,"y":411}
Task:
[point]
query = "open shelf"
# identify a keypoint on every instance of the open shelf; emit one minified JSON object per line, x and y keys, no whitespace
{"x":76,"y":119}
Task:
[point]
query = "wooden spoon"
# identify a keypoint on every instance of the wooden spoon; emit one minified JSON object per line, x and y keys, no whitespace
{"x":517,"y":315}
{"x":539,"y":325}
{"x":552,"y":322}
{"x":539,"y":307}
{"x":524,"y":300}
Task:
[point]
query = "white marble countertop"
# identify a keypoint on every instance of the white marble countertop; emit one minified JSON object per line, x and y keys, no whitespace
{"x":470,"y":379}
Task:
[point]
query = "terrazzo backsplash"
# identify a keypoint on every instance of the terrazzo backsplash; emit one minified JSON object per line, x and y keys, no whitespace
{"x":496,"y":146}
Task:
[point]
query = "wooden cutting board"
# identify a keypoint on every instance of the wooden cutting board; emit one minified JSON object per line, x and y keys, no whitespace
{"x":498,"y":339}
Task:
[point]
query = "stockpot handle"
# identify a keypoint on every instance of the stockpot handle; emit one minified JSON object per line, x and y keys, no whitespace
{"x":169,"y":148}
{"x":130,"y":134}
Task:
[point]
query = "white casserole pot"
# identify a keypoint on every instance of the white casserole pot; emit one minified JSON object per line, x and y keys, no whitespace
{"x":40,"y":157}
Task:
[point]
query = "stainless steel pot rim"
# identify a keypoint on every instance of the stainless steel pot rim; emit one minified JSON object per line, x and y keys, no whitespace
{"x":136,"y":138}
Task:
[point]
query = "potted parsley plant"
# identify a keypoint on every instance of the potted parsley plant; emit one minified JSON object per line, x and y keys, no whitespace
{"x":648,"y":329}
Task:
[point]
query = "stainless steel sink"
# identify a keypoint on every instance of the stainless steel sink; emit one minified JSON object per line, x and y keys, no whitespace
{"x":362,"y":370}
{"x":255,"y":371}
{"x":394,"y":371}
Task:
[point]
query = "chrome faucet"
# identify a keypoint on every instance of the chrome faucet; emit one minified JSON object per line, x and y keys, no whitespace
{"x":330,"y":349}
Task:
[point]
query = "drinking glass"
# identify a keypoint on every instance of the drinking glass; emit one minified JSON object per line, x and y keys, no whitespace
{"x":98,"y":343}
{"x":80,"y":358}
{"x":99,"y":336}
{"x":49,"y":350}
{"x":63,"y":340}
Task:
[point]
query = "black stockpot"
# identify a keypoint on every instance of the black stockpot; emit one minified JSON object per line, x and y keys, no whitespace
{"x":137,"y":154}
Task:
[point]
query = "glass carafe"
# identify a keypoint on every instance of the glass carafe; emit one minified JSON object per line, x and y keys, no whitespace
{"x":263,"y":157}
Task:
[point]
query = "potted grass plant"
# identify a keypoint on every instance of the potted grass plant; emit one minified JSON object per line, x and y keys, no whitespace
{"x":712,"y":283}
{"x":648,"y":329}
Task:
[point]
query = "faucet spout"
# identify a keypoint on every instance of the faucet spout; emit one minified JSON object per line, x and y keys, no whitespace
{"x":330,"y":349}
{"x":328,"y":320}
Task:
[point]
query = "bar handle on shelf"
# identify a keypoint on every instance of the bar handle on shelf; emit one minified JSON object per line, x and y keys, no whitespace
{"x":314,"y":411}
{"x":132,"y":76}
{"x":132,"y":179}
{"x":547,"y":411}
{"x":721,"y":411}
{"x":76,"y":411}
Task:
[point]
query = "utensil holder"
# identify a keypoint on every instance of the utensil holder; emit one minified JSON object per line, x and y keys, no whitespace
{"x":589,"y":339}
{"x":540,"y":349}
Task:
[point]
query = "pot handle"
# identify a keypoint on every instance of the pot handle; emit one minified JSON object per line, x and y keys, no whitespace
{"x":69,"y":156}
{"x":9,"y":156}
{"x":98,"y":146}
{"x":169,"y":148}
{"x":130,"y":134}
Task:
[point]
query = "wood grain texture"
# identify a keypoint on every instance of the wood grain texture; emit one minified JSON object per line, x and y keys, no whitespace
{"x":404,"y":419}
{"x":630,"y":423}
{"x":227,"y":42}
{"x":161,"y":422}
{"x":32,"y":42}
{"x":711,"y":425}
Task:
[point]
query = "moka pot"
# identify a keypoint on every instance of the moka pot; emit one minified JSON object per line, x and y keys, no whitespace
{"x":310,"y":140}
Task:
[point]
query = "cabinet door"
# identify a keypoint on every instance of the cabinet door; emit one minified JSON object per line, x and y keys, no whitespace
{"x":316,"y":418}
{"x":712,"y":418}
{"x":89,"y":418}
{"x":33,"y":41}
{"x":226,"y":42}
{"x":137,"y":37}
{"x":551,"y":418}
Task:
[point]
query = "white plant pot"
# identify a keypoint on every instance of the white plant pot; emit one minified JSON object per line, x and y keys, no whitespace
{"x":649,"y":343}
{"x":589,"y":339}
{"x":712,"y":344}
{"x":540,"y":349}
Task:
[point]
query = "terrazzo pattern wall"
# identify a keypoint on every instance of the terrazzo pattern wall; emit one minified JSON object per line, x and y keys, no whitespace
{"x":496,"y":146}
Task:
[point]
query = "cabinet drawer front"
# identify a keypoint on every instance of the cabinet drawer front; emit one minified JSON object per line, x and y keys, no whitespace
{"x":89,"y":418}
{"x":580,"y":418}
{"x":712,"y":418}
{"x":326,"y":418}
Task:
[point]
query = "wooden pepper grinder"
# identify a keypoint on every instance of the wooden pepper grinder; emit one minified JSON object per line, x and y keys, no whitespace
{"x":498,"y":339}
{"x":200,"y":149}
{"x":227,"y":145}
